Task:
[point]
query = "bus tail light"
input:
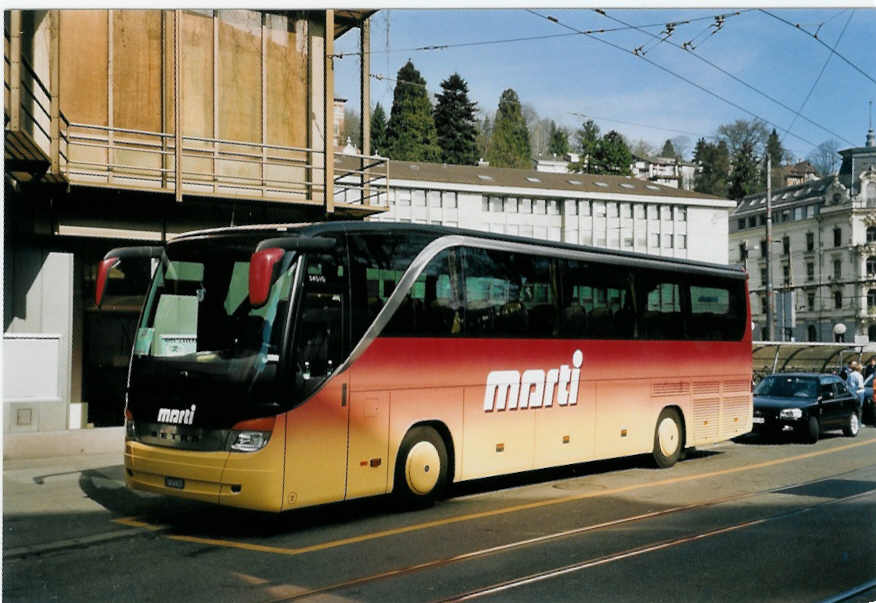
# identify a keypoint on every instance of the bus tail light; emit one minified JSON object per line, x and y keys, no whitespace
{"x":252,"y":435}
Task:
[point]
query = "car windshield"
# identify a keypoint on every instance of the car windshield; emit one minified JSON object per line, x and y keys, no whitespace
{"x":787,"y":386}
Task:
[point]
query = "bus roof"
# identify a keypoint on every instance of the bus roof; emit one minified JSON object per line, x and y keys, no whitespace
{"x":264,"y":231}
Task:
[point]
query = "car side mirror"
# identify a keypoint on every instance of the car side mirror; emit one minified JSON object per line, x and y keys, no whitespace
{"x":262,"y":273}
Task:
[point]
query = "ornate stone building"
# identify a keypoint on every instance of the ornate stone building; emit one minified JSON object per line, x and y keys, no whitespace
{"x":823,"y":253}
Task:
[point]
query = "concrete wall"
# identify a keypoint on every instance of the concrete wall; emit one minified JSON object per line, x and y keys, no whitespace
{"x":37,"y":342}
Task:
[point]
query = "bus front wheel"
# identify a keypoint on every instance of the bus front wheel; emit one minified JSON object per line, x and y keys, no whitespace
{"x":668,"y":438}
{"x":421,"y":467}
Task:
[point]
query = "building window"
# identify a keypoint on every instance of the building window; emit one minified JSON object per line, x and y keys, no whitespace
{"x":837,"y":270}
{"x":681,"y":241}
{"x":812,"y":333}
{"x":448,"y":200}
{"x":539,"y":208}
{"x":667,"y":241}
{"x":584,"y":208}
{"x":786,"y":245}
{"x":871,"y":234}
{"x":741,"y":224}
{"x":495,"y":204}
{"x":871,"y":301}
{"x":553,"y":208}
{"x":763,"y":304}
{"x":526,"y":206}
{"x":403,"y":196}
{"x":666,"y":213}
{"x":786,"y":274}
{"x":810,"y":241}
{"x":570,"y":207}
{"x":652,"y":212}
{"x":763,"y":275}
{"x":871,"y":265}
{"x":810,"y":271}
{"x":837,"y":236}
{"x":743,"y":251}
{"x":838,"y":299}
{"x":810,"y":301}
{"x":653,"y":240}
{"x":434,"y":198}
{"x":419,"y":198}
{"x":626,"y":211}
{"x":511,"y":205}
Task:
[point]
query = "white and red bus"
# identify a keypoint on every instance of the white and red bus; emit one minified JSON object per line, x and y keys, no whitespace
{"x":285,"y":366}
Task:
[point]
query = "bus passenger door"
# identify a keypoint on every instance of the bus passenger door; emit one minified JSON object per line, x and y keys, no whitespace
{"x":316,"y":429}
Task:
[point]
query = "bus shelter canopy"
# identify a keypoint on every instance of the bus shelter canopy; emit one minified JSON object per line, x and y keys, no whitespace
{"x":784,"y":356}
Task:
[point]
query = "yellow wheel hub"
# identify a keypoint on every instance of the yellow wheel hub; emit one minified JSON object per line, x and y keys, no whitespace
{"x":422,"y":468}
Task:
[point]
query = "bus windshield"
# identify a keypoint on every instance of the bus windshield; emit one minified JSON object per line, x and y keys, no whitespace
{"x":201,"y":342}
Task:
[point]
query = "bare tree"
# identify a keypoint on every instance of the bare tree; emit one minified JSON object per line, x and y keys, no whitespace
{"x":824,"y":158}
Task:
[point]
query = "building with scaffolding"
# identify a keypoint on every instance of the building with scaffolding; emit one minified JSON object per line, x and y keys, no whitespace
{"x":125,"y":126}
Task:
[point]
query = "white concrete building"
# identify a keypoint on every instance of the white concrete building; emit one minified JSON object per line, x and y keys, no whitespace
{"x":605,"y":211}
{"x":823,"y":253}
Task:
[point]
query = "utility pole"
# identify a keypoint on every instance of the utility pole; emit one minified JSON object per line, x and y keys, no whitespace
{"x":769,"y":251}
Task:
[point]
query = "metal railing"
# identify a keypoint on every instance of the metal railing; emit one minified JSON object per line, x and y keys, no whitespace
{"x":218,"y":167}
{"x":32,"y":129}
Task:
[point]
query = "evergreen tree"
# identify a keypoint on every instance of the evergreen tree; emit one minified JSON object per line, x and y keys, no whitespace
{"x":714,"y":167}
{"x":588,"y":143}
{"x":613,"y":155}
{"x":776,"y":154}
{"x":744,"y":177}
{"x":509,"y":142}
{"x":410,"y":133}
{"x":378,"y":130}
{"x":455,"y":123}
{"x":668,"y":149}
{"x":559,"y":141}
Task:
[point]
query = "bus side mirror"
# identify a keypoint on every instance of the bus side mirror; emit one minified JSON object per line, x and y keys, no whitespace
{"x":113,"y":258}
{"x":262,"y":272}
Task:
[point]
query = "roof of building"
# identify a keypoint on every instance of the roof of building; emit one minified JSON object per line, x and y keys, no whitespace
{"x":799,"y":194}
{"x":531,"y":179}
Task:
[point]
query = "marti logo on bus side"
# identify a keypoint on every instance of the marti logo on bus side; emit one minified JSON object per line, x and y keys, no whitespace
{"x":509,"y":390}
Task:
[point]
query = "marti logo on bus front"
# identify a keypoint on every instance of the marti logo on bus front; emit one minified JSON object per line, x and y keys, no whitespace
{"x":534,"y":388}
{"x":176,"y":415}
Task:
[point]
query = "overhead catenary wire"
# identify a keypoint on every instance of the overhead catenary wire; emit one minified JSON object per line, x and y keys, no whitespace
{"x":433,"y":47}
{"x":632,"y":123}
{"x":674,"y":74}
{"x":820,"y":41}
{"x":818,"y":79}
{"x":711,"y":64}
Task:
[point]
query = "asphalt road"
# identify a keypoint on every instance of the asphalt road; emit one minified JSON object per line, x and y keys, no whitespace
{"x":751,"y":520}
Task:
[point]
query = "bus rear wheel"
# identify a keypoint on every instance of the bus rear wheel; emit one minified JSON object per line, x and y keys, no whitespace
{"x":421,"y":467}
{"x":668,"y":439}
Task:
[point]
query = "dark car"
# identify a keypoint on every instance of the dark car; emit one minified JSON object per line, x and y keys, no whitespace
{"x":805,"y":404}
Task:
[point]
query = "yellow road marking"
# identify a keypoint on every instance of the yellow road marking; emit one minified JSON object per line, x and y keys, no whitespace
{"x":136,"y":523}
{"x":505,"y":510}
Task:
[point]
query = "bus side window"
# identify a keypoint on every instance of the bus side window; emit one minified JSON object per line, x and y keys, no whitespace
{"x":662,"y":316}
{"x":433,"y":306}
{"x":319,"y":341}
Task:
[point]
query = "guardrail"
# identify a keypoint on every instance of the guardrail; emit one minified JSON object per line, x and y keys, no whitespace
{"x":218,"y":167}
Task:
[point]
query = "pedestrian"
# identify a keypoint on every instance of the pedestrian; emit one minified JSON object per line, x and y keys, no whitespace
{"x":870,"y":368}
{"x":855,"y":382}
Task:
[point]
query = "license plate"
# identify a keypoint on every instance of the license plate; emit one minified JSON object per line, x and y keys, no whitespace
{"x":758,"y":420}
{"x":175,"y":482}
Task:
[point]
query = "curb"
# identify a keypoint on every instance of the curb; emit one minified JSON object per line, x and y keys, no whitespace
{"x":71,"y":543}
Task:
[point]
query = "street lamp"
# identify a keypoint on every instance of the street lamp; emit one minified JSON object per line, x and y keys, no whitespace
{"x":839,"y":332}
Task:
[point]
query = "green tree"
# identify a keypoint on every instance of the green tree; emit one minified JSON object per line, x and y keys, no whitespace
{"x":613,"y":155}
{"x":745,"y":173}
{"x":776,"y":153}
{"x":668,"y":149}
{"x":410,"y":133}
{"x":824,"y":158}
{"x":713,"y":161}
{"x":559,"y":141}
{"x":378,"y":130}
{"x":509,"y":142}
{"x":485,"y":131}
{"x":587,"y":138}
{"x":455,"y":123}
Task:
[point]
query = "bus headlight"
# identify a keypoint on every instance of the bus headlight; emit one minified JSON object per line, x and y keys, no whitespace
{"x":249,"y":441}
{"x":792,"y":414}
{"x":251,"y":435}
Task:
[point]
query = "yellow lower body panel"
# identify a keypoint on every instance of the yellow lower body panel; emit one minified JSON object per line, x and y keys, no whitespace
{"x":237,"y":479}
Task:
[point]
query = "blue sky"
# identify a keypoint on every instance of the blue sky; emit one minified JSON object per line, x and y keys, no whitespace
{"x":562,"y":76}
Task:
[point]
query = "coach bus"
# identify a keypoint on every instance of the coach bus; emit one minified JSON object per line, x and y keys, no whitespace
{"x":279,"y":367}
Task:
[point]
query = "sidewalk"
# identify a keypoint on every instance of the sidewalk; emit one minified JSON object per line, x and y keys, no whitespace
{"x":63,"y":502}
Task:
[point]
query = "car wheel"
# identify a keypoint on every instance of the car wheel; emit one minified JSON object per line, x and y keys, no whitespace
{"x":812,"y":430}
{"x":421,"y":467}
{"x":668,"y":439}
{"x":852,"y":426}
